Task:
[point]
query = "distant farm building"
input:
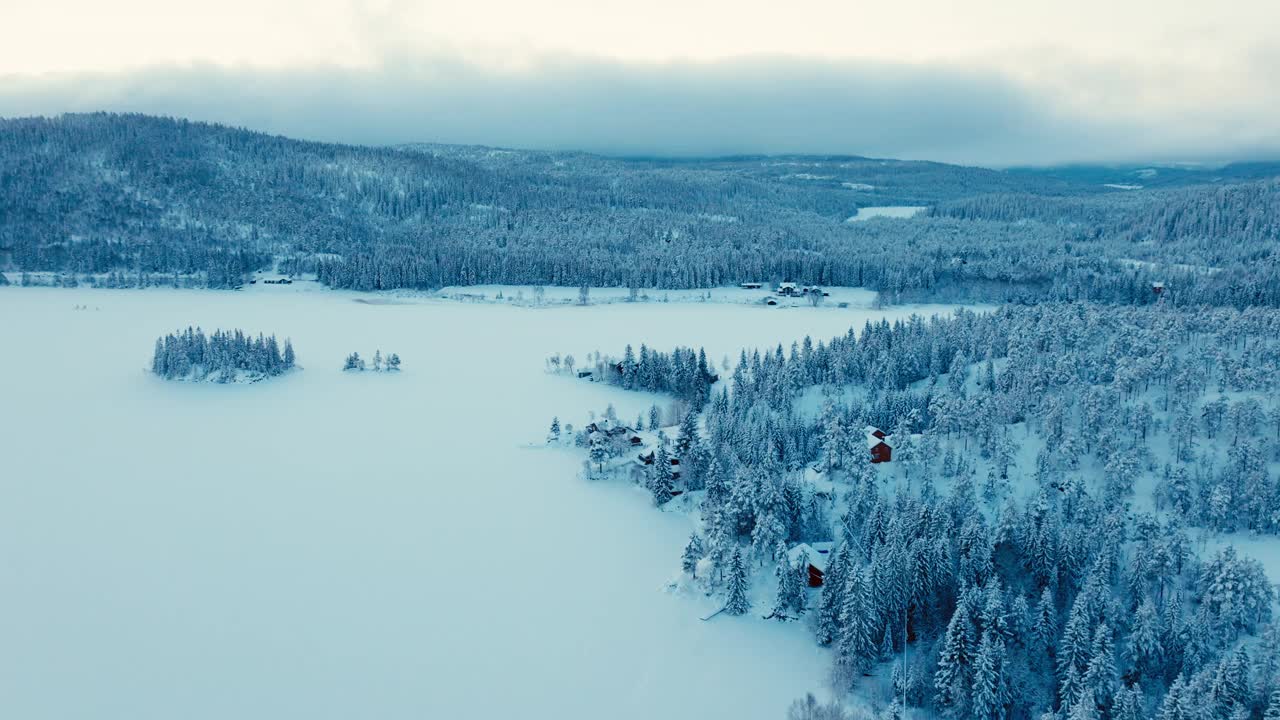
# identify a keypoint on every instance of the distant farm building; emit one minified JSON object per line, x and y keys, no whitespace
{"x":770,"y":301}
{"x":1157,"y":288}
{"x":787,"y":288}
{"x":604,"y":427}
{"x":648,"y":458}
{"x":878,"y":445}
{"x":584,"y":373}
{"x":752,"y":285}
{"x":816,"y":556}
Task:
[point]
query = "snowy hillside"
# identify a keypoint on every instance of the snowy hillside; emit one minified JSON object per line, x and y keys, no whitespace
{"x":1086,"y":522}
{"x":136,"y":201}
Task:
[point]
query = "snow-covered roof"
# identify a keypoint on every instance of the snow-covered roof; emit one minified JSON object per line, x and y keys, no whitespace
{"x":873,"y":441}
{"x":816,"y":554}
{"x":786,"y":285}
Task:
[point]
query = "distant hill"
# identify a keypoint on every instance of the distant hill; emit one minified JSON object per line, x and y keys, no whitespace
{"x":144,"y":196}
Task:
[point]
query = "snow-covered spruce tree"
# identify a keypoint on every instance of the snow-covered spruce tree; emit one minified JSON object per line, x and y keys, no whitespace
{"x":598,"y":455}
{"x":856,"y":648}
{"x":1273,"y":706}
{"x":694,"y":551}
{"x":393,"y":362}
{"x":353,"y":362}
{"x":954,"y":675}
{"x":688,"y":432}
{"x":831,"y":600}
{"x":990,"y":690}
{"x":736,"y":601}
{"x":660,"y":479}
{"x":553,"y":436}
{"x":789,"y":598}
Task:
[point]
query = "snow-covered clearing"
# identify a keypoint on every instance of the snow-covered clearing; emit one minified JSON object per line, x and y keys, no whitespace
{"x":886,"y":211}
{"x":338,"y":545}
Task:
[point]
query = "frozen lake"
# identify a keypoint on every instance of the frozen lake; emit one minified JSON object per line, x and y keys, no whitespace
{"x":353,"y":546}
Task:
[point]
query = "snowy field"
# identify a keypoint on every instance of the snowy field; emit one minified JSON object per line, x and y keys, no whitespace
{"x":329,"y":545}
{"x":886,"y":211}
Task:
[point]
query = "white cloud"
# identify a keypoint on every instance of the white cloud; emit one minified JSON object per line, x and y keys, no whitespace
{"x":743,"y":105}
{"x":988,"y":81}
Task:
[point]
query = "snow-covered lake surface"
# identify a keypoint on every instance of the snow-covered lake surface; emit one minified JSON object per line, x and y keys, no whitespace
{"x":886,"y":211}
{"x":328,"y":545}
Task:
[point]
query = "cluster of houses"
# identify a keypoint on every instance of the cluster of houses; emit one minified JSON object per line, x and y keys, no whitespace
{"x":816,"y":555}
{"x":787,"y":289}
{"x":618,"y":434}
{"x":790,"y":289}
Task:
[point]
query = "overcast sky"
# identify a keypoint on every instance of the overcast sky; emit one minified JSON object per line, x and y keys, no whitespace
{"x":992,"y":82}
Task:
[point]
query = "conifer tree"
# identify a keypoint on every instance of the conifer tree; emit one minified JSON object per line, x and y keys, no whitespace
{"x":1273,"y":706}
{"x":952,"y":679}
{"x":693,"y":552}
{"x":831,"y":601}
{"x":857,"y":648}
{"x":989,"y":690}
{"x":789,"y":597}
{"x":736,"y":601}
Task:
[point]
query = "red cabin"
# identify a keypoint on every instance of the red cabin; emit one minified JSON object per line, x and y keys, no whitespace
{"x":815,"y":556}
{"x":878,"y":445}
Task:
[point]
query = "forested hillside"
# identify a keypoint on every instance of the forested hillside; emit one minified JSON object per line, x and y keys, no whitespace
{"x":1053,"y":537}
{"x":152,"y":198}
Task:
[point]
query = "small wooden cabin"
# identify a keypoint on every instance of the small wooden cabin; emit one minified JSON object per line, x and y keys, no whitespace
{"x":878,"y":445}
{"x":816,"y":556}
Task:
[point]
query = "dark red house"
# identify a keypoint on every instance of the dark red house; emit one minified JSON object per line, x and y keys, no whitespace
{"x":878,"y":445}
{"x":815,"y":556}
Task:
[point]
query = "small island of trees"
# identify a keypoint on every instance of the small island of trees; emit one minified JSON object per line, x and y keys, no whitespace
{"x":225,"y":356}
{"x":356,"y":363}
